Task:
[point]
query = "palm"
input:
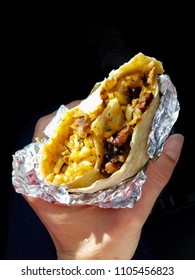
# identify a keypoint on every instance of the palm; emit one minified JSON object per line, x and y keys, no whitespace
{"x":90,"y":232}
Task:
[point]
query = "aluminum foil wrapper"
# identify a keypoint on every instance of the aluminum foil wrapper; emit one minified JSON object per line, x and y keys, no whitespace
{"x":25,"y":177}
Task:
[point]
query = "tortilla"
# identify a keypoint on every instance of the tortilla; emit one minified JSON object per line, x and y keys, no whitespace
{"x":103,"y":140}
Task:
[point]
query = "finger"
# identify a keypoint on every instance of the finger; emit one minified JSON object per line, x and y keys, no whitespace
{"x":158,"y":175}
{"x":73,"y":103}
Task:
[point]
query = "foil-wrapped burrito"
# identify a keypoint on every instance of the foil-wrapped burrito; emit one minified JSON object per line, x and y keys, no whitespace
{"x":97,"y":152}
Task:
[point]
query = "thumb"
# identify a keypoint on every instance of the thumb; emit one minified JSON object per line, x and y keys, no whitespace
{"x":159,"y":173}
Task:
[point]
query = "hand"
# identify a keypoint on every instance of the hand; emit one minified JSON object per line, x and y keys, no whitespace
{"x":88,"y":232}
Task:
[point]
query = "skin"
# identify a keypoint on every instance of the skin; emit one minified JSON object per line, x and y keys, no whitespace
{"x":93,"y":233}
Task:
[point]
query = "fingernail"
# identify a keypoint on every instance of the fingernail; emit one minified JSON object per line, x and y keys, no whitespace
{"x":173,"y":146}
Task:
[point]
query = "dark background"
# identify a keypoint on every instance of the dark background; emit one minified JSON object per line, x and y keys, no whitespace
{"x":53,"y":57}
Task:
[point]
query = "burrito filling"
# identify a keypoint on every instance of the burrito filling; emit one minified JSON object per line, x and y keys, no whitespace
{"x":100,"y":139}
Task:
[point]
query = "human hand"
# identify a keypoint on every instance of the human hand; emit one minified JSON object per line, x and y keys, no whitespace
{"x":89,"y":232}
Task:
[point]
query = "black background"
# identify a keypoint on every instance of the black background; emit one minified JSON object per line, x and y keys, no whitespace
{"x":51,"y":58}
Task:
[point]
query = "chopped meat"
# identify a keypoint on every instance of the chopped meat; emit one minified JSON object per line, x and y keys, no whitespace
{"x":111,"y":167}
{"x":83,"y":126}
{"x":123,"y":135}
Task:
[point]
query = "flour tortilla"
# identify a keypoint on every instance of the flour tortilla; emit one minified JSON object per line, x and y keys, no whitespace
{"x":94,"y":180}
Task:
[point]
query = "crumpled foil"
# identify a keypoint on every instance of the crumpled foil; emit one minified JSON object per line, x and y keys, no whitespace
{"x":26,"y":181}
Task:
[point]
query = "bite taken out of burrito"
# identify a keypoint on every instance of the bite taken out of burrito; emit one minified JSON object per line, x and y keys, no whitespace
{"x":103,"y":140}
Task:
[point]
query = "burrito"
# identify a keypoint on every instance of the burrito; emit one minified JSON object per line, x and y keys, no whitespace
{"x":103,"y":141}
